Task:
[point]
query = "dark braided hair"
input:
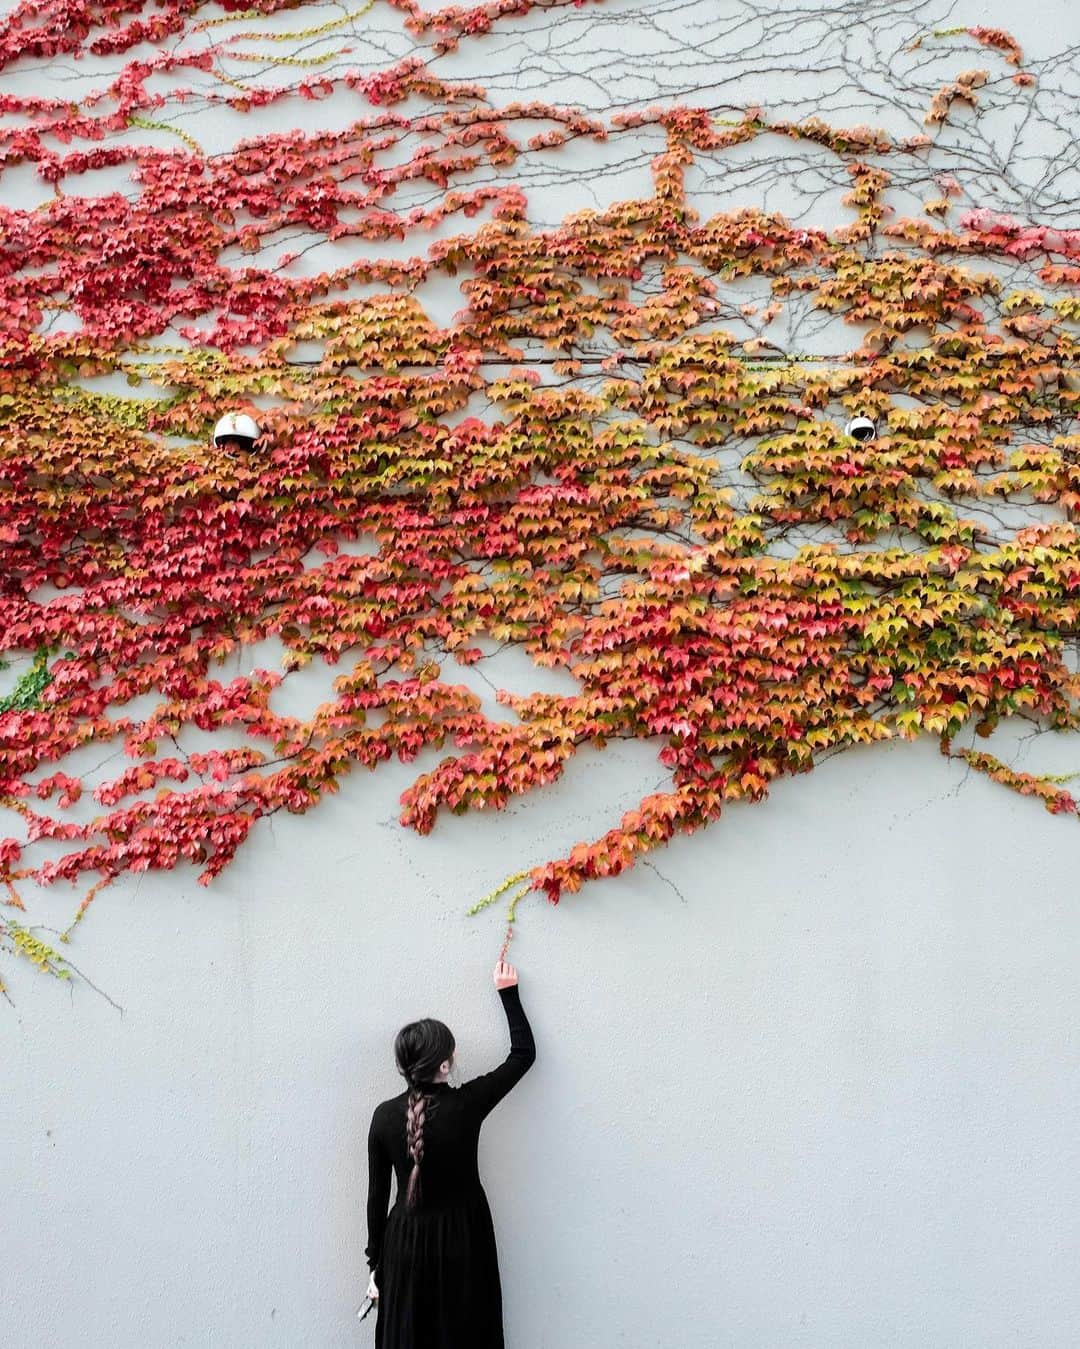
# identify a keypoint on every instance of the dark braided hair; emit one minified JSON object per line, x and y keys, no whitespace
{"x":420,"y":1048}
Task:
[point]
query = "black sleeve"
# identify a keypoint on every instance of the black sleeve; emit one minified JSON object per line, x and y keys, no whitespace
{"x":484,"y":1093}
{"x":378,"y":1201}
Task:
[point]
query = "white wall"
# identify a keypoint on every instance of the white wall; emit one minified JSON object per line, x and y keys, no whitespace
{"x":811,"y":1082}
{"x":808,"y":1079}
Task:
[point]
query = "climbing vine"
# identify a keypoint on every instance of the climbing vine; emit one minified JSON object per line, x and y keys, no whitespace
{"x":615,"y":456}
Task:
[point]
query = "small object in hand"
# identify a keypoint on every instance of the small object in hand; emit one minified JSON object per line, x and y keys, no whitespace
{"x":366,"y":1308}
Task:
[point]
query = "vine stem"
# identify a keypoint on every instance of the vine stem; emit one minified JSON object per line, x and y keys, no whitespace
{"x":495,"y":894}
{"x":511,"y":914}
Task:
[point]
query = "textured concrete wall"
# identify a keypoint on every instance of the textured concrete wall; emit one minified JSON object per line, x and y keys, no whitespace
{"x":811,"y":1081}
{"x":808,"y":1079}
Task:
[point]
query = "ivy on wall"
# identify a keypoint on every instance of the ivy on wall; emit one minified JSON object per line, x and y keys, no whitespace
{"x":665,"y":508}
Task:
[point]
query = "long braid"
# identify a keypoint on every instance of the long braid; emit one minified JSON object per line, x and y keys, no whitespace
{"x":415,"y":1116}
{"x":421,"y":1048}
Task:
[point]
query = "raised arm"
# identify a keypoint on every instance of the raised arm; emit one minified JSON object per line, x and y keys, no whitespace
{"x":379,"y":1170}
{"x":485,"y":1092}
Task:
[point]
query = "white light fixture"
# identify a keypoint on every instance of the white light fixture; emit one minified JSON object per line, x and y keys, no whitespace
{"x":861,"y":429}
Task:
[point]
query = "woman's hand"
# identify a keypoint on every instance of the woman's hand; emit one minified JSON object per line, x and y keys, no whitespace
{"x":372,"y":1291}
{"x":505,"y":975}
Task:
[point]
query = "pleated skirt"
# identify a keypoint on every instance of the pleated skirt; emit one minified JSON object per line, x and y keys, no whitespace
{"x":439,"y":1278}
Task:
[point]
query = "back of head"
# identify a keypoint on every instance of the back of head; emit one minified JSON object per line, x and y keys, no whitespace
{"x":420,"y":1049}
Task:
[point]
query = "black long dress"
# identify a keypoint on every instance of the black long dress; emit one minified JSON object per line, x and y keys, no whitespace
{"x":436,"y":1265}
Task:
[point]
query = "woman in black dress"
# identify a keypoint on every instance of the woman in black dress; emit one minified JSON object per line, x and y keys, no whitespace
{"x":434,"y":1267}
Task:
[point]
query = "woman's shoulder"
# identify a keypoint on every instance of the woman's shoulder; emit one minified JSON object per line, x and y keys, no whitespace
{"x":393,"y":1105}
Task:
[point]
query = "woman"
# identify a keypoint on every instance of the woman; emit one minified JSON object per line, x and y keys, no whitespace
{"x":434,"y":1268}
